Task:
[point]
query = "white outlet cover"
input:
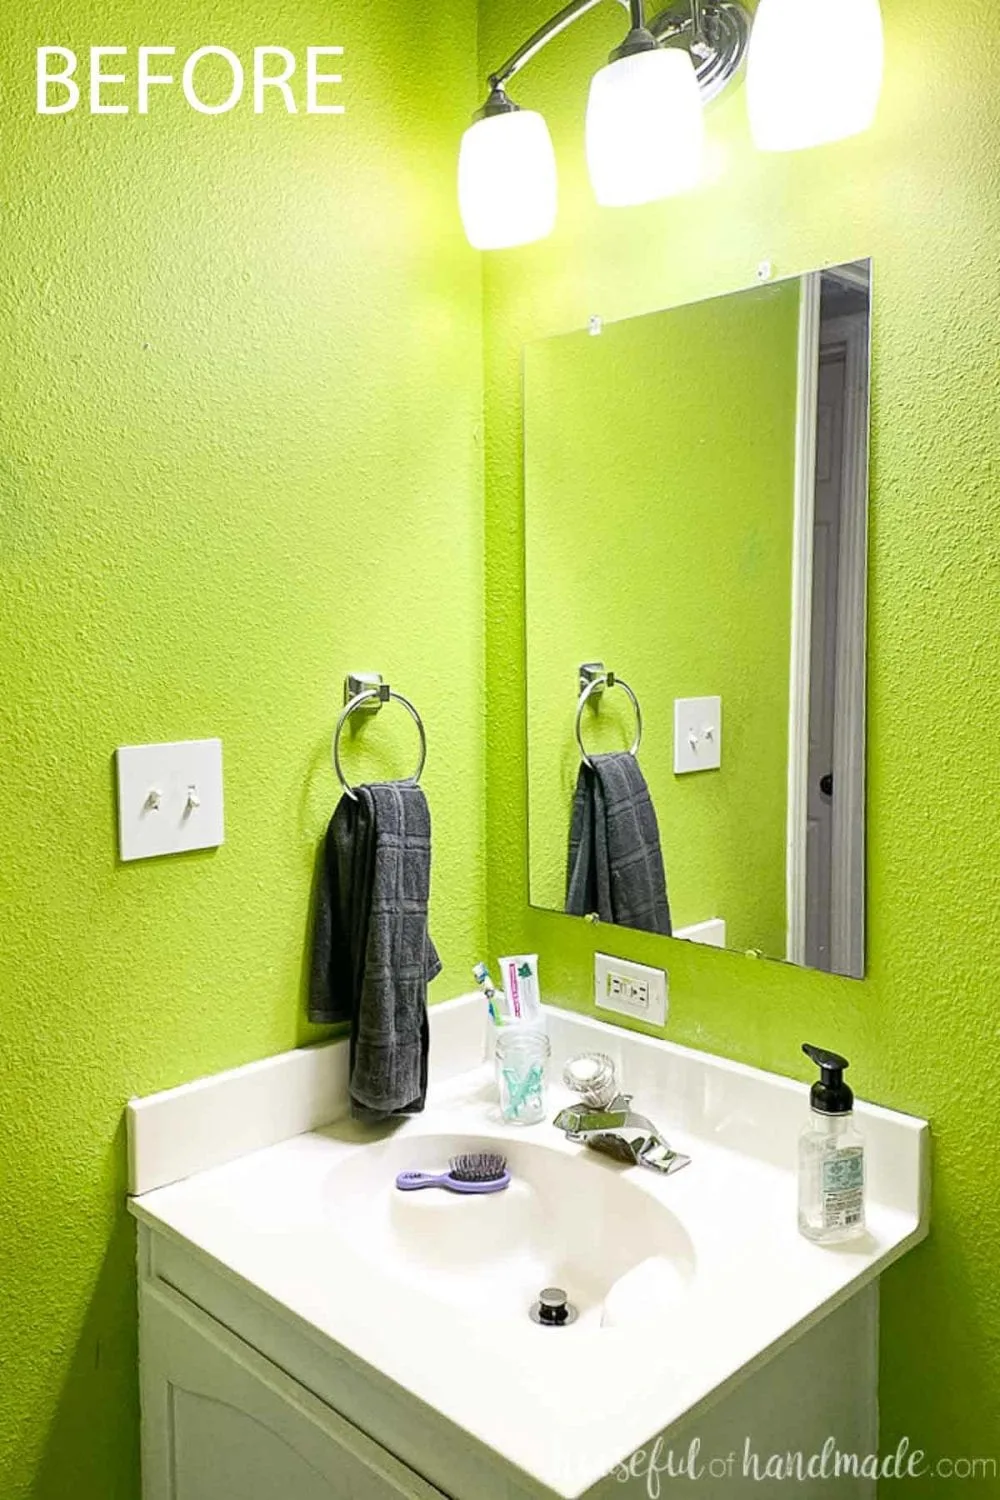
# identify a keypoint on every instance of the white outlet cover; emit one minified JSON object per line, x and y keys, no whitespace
{"x":697,"y":735}
{"x":169,"y":798}
{"x":630,"y":989}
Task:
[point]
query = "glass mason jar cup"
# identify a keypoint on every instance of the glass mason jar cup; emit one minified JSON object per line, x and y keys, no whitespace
{"x":522,"y":1055}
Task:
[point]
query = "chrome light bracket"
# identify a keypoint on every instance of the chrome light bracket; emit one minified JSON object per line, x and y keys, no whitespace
{"x":716,"y":33}
{"x":639,"y":39}
{"x":498,"y":103}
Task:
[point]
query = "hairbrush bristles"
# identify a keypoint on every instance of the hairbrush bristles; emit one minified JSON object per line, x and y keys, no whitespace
{"x":484,"y":1166}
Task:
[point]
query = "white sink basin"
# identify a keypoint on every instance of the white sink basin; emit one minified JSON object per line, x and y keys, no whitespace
{"x":579,"y":1222}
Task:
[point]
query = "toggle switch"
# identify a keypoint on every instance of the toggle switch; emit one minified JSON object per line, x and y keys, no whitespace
{"x":697,"y":735}
{"x":169,"y":798}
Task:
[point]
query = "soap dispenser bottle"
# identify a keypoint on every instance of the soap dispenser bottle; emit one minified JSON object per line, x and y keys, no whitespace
{"x":831,"y":1158}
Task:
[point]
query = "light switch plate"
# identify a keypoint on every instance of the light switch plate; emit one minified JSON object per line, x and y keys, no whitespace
{"x":169,"y":798}
{"x":630,"y":989}
{"x":697,"y":735}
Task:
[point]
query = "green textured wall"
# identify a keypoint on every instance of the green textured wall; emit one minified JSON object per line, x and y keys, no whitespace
{"x":239,"y":455}
{"x":920,"y":194}
{"x":659,"y":490}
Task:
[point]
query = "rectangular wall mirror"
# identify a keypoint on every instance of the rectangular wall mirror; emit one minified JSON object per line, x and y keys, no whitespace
{"x":696,"y":519}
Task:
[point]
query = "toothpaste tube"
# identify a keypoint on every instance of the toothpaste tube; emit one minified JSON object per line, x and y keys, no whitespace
{"x":519,"y":977}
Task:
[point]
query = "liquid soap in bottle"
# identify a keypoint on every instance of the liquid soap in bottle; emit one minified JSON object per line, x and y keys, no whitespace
{"x":831,"y":1158}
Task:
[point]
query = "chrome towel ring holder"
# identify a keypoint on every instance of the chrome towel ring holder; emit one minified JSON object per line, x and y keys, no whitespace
{"x":365,"y":692}
{"x":593,"y":679}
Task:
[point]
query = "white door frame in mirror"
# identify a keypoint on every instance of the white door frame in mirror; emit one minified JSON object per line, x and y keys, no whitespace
{"x":847,"y":932}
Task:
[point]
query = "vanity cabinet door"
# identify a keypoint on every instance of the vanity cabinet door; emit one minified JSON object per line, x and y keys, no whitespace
{"x":222,"y":1423}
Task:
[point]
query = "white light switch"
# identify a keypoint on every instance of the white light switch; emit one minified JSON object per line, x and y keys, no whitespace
{"x":169,"y":798}
{"x":630,"y":989}
{"x":697,"y":735}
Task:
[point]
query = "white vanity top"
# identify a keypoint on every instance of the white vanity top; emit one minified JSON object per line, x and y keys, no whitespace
{"x":432,"y":1289}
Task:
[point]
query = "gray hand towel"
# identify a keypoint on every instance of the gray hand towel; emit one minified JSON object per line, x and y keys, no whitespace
{"x":615,"y":861}
{"x":372,"y":953}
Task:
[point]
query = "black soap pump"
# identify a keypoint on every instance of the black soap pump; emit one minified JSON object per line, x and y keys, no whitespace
{"x":831,"y":1157}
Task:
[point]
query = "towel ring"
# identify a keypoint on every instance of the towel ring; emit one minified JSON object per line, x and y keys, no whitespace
{"x":597,"y":684}
{"x":376,"y":696}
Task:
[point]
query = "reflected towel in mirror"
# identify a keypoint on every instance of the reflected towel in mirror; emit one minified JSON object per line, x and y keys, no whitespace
{"x":615,"y":868}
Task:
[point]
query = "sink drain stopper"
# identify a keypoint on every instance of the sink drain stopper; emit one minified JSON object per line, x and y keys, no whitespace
{"x":552,"y":1310}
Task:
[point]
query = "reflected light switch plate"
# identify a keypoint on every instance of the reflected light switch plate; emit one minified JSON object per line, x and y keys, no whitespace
{"x":169,"y":798}
{"x":697,"y":735}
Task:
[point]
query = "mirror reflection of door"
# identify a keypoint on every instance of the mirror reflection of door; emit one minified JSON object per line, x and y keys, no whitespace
{"x":834,"y":862}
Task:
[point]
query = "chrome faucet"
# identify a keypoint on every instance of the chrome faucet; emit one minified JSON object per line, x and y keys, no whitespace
{"x":606,"y":1122}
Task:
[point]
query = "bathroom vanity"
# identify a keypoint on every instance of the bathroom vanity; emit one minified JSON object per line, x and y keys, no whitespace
{"x":308,"y":1331}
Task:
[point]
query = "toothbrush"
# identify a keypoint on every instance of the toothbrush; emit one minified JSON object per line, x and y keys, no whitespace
{"x":485,"y":1172}
{"x":481,"y":975}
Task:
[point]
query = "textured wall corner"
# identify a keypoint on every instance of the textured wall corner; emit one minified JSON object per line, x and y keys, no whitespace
{"x":239,"y":455}
{"x":919,"y":194}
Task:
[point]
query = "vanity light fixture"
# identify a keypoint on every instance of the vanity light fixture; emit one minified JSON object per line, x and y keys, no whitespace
{"x":814,"y":75}
{"x":507,"y":185}
{"x":645,"y":124}
{"x":814,"y":71}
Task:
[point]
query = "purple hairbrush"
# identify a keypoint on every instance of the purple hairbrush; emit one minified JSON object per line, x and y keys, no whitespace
{"x":482,"y":1173}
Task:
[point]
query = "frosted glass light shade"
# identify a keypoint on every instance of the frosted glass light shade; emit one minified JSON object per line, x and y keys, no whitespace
{"x":507,"y":185}
{"x":645,"y":128}
{"x":814,"y":71}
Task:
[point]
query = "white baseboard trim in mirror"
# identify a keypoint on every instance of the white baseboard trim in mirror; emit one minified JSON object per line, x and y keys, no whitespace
{"x":712,"y":934}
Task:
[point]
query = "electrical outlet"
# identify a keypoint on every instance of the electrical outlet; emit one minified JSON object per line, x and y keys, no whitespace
{"x":630,"y":989}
